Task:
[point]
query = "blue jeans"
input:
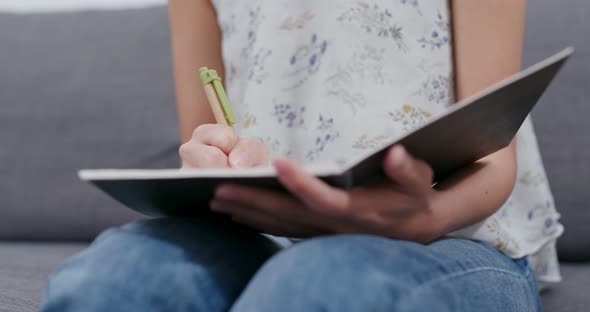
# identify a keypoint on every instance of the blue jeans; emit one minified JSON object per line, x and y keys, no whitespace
{"x":175,"y":264}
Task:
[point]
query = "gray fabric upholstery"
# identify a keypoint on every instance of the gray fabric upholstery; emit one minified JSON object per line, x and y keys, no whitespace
{"x":562,"y":116}
{"x":24,"y":268}
{"x":572,"y":294}
{"x":80,"y":90}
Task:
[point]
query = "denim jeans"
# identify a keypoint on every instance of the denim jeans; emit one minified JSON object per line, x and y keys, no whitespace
{"x":174,"y":264}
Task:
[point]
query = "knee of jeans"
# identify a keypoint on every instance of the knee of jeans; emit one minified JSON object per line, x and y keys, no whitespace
{"x":124,"y":270}
{"x":334,"y":272}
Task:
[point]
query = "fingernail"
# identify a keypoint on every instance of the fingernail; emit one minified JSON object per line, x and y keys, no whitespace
{"x":400,"y":152}
{"x":239,"y":159}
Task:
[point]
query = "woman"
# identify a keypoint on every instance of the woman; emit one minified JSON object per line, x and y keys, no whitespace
{"x":320,"y":81}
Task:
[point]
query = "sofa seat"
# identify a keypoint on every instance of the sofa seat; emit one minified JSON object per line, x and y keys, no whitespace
{"x":24,"y":267}
{"x":572,"y":294}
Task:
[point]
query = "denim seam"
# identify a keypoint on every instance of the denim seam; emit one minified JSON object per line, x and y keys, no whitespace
{"x":447,"y":277}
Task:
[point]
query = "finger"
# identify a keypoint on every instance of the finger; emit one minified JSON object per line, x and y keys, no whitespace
{"x":283,"y":206}
{"x":195,"y":155}
{"x":259,"y":220}
{"x":378,"y":206}
{"x":314,"y":192}
{"x":248,"y":152}
{"x":220,"y":136}
{"x":405,"y":170}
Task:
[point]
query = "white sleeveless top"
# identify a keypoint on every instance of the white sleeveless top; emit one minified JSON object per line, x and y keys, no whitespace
{"x":322,"y":80}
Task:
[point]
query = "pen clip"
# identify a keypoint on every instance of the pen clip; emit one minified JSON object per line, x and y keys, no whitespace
{"x":210,"y":76}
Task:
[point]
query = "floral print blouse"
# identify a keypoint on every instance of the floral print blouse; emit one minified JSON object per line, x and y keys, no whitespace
{"x":322,"y":80}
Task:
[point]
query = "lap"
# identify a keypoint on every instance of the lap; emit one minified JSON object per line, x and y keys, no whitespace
{"x":361,"y":272}
{"x":186,"y":264}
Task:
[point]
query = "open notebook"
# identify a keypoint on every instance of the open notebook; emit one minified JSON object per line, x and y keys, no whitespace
{"x":471,"y":129}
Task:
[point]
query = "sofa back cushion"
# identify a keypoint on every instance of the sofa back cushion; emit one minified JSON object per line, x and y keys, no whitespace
{"x":562,"y":116}
{"x":79,"y":90}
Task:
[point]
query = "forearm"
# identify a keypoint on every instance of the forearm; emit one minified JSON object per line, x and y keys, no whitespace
{"x":488,"y":47}
{"x":196,"y":42}
{"x":475,"y":192}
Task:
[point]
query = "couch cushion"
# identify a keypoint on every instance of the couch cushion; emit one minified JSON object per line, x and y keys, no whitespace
{"x":571,"y":295}
{"x":561,"y":118}
{"x":80,"y":90}
{"x":24,"y":268}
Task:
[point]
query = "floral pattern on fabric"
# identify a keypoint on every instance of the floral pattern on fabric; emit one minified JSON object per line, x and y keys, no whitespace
{"x":327,"y":80}
{"x":410,"y":117}
{"x":364,"y":65}
{"x":375,"y":19}
{"x":439,"y":37}
{"x":306,"y":61}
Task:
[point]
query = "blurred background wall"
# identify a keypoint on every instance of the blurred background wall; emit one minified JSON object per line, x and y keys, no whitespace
{"x":69,"y":5}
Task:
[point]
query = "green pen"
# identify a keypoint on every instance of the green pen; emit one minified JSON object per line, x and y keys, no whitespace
{"x":216,"y":97}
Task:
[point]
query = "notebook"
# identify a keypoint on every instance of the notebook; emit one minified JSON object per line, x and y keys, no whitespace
{"x":469,"y":130}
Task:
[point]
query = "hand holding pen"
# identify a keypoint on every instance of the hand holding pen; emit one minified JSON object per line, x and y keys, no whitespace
{"x":218,"y":145}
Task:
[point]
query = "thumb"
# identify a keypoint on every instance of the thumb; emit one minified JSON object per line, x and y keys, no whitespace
{"x":405,"y":170}
{"x":248,"y":153}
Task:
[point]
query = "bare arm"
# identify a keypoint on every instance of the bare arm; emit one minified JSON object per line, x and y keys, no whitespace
{"x":196,"y":42}
{"x":488,"y":39}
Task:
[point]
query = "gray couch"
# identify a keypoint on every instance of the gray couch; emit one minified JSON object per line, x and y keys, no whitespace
{"x":94,"y":89}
